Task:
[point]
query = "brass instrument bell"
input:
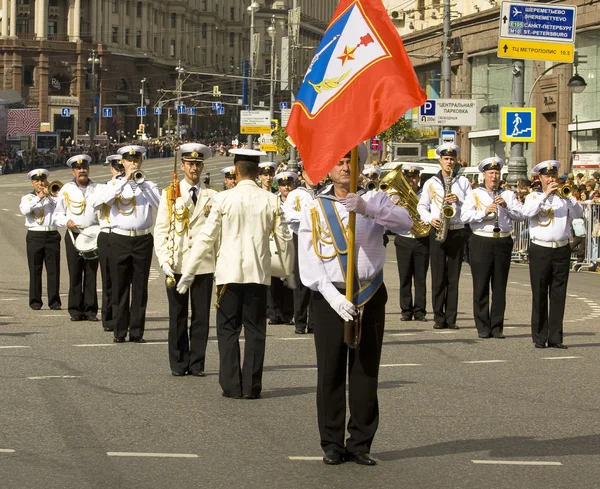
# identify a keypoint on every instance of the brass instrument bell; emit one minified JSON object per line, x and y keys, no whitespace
{"x":54,"y":187}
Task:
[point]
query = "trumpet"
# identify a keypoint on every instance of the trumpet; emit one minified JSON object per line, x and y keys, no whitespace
{"x":564,"y":191}
{"x":371,"y":185}
{"x":54,"y":187}
{"x":138,"y":177}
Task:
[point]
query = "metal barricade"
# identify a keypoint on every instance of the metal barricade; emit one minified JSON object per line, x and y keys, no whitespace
{"x":520,"y":235}
{"x":591,"y":216}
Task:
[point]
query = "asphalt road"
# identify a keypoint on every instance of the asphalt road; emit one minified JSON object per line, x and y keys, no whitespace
{"x":77,"y":411}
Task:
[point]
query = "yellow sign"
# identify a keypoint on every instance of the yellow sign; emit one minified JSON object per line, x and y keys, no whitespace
{"x":268,"y":148}
{"x":255,"y":129}
{"x":538,"y":50}
{"x":44,"y":127}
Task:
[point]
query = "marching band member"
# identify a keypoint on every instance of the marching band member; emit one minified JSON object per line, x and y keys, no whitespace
{"x":372,"y":175}
{"x":266,"y":173}
{"x":228,"y":177}
{"x":293,"y":207}
{"x":549,"y":254}
{"x":43,"y":240}
{"x":322,"y":269}
{"x":108,"y":307}
{"x":131,"y":198}
{"x":412,"y":257}
{"x":243,"y":218}
{"x":178,"y":222}
{"x":446,"y":256}
{"x":74,"y":213}
{"x":490,"y":211}
{"x":280,"y":299}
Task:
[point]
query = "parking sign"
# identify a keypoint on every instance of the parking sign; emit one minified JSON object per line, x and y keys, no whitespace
{"x":65,"y":112}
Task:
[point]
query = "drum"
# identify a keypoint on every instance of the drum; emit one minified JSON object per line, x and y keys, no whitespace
{"x":277,"y":268}
{"x":87,"y":243}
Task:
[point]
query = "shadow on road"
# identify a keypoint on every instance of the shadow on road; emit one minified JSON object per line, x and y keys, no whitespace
{"x":299,"y":391}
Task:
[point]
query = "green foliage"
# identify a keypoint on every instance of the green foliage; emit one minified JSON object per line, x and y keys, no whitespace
{"x":169,"y":124}
{"x":400,"y":132}
{"x":280,"y":140}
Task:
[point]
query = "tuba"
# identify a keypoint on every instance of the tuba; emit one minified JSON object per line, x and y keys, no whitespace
{"x":447,"y":213}
{"x":54,"y":187}
{"x":401,"y":193}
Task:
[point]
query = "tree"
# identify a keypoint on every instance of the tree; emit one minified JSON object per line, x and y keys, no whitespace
{"x":280,"y":141}
{"x":400,"y":131}
{"x":169,"y":124}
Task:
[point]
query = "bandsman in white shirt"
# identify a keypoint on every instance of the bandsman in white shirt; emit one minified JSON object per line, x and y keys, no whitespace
{"x":43,"y":240}
{"x":491,"y":212}
{"x":372,"y":175}
{"x":445,"y":256}
{"x":293,"y":208}
{"x":322,"y":269}
{"x":178,"y":222}
{"x":74,"y":212}
{"x":228,"y":177}
{"x":108,"y":308}
{"x":132,"y":200}
{"x":412,"y":257}
{"x":242,"y":218}
{"x":266,"y":174}
{"x":549,"y":218}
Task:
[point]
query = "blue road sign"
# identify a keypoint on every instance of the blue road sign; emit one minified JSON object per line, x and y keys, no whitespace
{"x":518,"y":124}
{"x":191,"y":111}
{"x":141,"y":111}
{"x":221,"y":111}
{"x":448,"y":137}
{"x":540,"y":22}
{"x":157,"y":110}
{"x":283,"y":105}
{"x":106,"y":112}
{"x":65,"y":112}
{"x":181,"y":109}
{"x":428,"y":108}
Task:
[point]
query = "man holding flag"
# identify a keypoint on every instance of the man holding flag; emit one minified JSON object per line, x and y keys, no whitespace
{"x":360,"y":69}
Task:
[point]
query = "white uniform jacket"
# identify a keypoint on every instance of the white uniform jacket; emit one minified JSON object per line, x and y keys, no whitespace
{"x":243,"y":218}
{"x":72,"y":204}
{"x":38,"y":212}
{"x":297,"y":200}
{"x":473,"y":211}
{"x":550,"y":217}
{"x":188,"y":220}
{"x":432,"y":196}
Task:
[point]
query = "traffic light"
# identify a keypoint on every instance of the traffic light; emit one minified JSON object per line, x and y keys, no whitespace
{"x":216,"y":92}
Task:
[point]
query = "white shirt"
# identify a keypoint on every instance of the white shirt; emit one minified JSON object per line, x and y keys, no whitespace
{"x":72,"y":204}
{"x":325,"y":274}
{"x":537,"y":209}
{"x":432,"y":196}
{"x":103,"y":210}
{"x":119,"y":194}
{"x":38,"y":212}
{"x":473,"y":211}
{"x":297,"y":200}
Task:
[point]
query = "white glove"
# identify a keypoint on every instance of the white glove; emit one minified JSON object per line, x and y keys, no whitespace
{"x":169,"y":272}
{"x":184,"y":283}
{"x":343,"y":307}
{"x":290,"y":281}
{"x":355,"y":203}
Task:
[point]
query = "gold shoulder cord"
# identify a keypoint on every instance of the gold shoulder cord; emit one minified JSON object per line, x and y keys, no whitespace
{"x":125,"y":202}
{"x":76,"y":208}
{"x":38,"y":217}
{"x":435,"y":197}
{"x":549,"y":214}
{"x":298,"y":203}
{"x":106,"y":212}
{"x":320,"y":234}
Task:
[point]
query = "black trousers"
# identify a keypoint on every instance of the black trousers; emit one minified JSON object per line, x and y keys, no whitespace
{"x":43,"y":247}
{"x":549,"y":275}
{"x":412,"y":256}
{"x":83,"y":295}
{"x":334,"y":359}
{"x":301,"y":296}
{"x":280,"y":302}
{"x":109,"y":313}
{"x":130,"y":271}
{"x":187,"y":352}
{"x":446,"y":261}
{"x":241,"y":304}
{"x":490,"y":264}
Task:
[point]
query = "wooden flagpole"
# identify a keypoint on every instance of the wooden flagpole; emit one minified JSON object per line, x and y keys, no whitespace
{"x":351,"y":338}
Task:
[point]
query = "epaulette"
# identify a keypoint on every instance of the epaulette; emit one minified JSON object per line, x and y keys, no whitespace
{"x":213,"y":188}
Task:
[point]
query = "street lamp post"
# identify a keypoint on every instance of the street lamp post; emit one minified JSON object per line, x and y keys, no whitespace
{"x":180,"y":72}
{"x":252,"y":8}
{"x":272,"y":31}
{"x":94,"y":60}
{"x":142,"y":105}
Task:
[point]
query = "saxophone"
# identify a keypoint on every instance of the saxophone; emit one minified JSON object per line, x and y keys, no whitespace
{"x":447,"y":212}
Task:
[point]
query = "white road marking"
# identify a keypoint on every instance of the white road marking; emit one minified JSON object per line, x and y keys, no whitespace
{"x":294,"y":339}
{"x":559,"y":358}
{"x":402,"y":365}
{"x":444,"y":332}
{"x":401,"y":334}
{"x":6,"y":450}
{"x":305,"y":458}
{"x":18,"y":215}
{"x":485,"y":361}
{"x":155,"y":343}
{"x":6,"y":317}
{"x":513,"y":462}
{"x":4,"y":209}
{"x":44,"y":377}
{"x":10,"y":299}
{"x":5,"y":347}
{"x":158,"y":455}
{"x":51,"y":315}
{"x":96,"y":344}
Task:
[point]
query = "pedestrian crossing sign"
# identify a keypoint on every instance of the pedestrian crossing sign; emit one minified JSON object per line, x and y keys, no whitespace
{"x":518,"y":125}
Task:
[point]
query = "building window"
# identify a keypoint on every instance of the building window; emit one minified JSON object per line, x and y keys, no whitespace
{"x":232,"y":13}
{"x":231,"y":39}
{"x":115,"y":6}
{"x":115,"y":35}
{"x":162,"y":46}
{"x":138,"y":9}
{"x":138,"y":39}
{"x":204,"y":5}
{"x":267,"y":66}
{"x":28,"y":76}
{"x":127,"y":37}
{"x":155,"y":45}
{"x":127,"y":8}
{"x":203,"y":31}
{"x":155,"y":16}
{"x":172,"y":49}
{"x":173,"y":21}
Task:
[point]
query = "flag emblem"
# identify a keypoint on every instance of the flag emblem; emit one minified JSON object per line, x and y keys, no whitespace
{"x":349,"y":47}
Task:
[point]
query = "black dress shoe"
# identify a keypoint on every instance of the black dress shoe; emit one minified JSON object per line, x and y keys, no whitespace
{"x":137,"y":340}
{"x":91,"y":318}
{"x":405,"y":318}
{"x":289,"y":322}
{"x":118,"y":340}
{"x":333,"y":457}
{"x":439,"y":326}
{"x":300,"y":331}
{"x":500,"y":336}
{"x":310,"y":331}
{"x":198,"y":373}
{"x":55,"y":307}
{"x":178,"y":374}
{"x":540,"y":345}
{"x":362,"y":458}
{"x":108,"y":328}
{"x":453,"y":326}
{"x":484,"y":335}
{"x":76,"y":318}
{"x":423,"y":319}
{"x":275,"y":321}
{"x":557,"y":345}
{"x":251,"y":396}
{"x":231,"y":397}
{"x":36,"y":307}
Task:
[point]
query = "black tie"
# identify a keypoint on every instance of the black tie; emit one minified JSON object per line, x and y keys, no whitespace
{"x":194,"y":196}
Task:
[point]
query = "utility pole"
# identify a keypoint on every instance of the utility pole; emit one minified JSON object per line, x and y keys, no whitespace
{"x":94,"y":60}
{"x":272,"y":31}
{"x":179,"y":70}
{"x":254,"y":6}
{"x":517,"y":163}
{"x":142,"y":105}
{"x":447,"y":53}
{"x":293,"y":163}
